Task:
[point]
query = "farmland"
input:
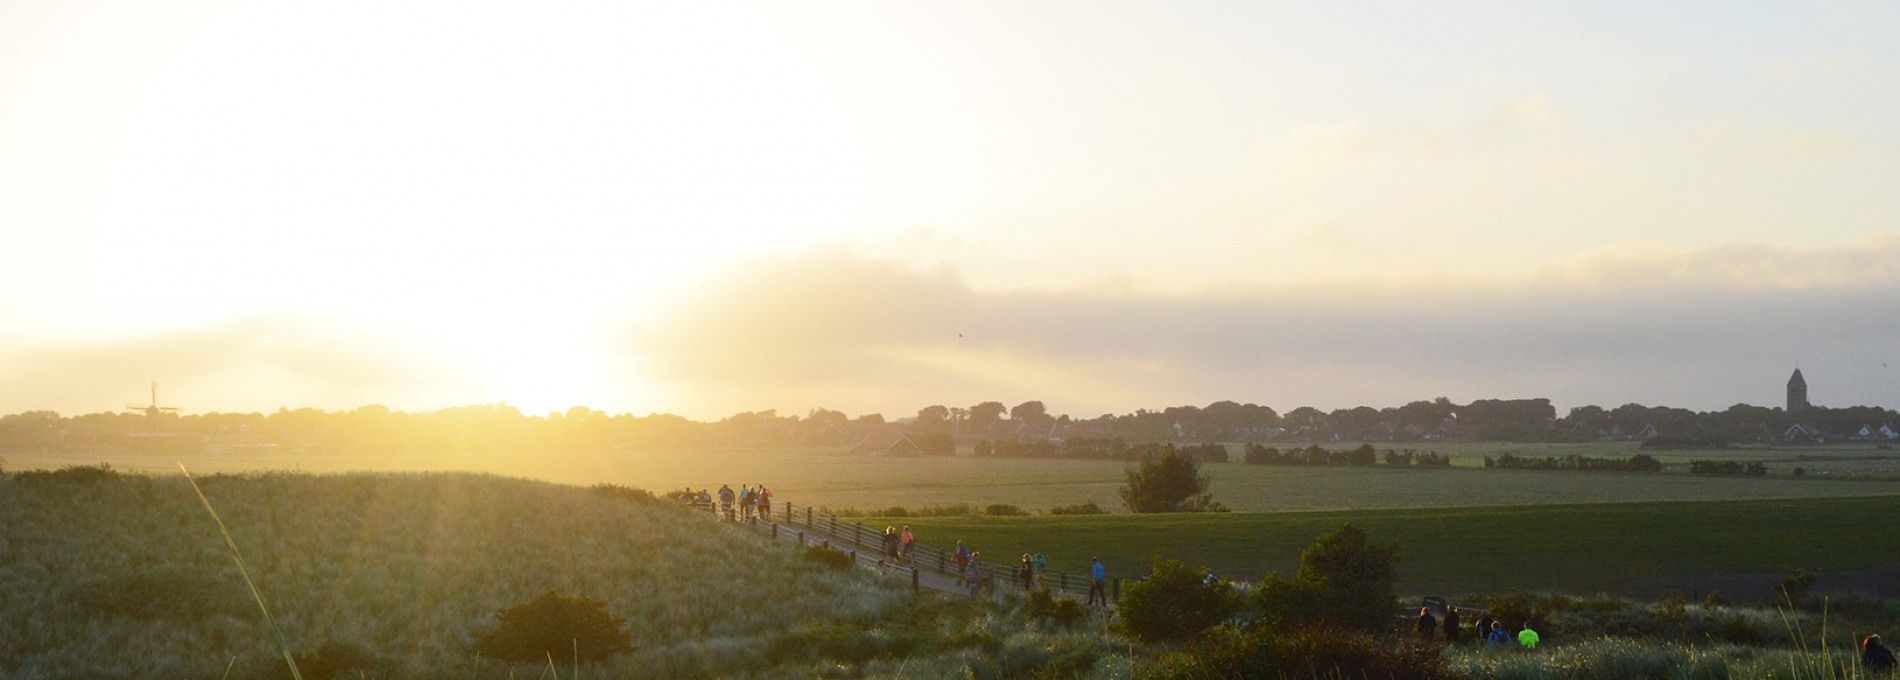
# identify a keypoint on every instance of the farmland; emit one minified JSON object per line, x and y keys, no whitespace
{"x":1640,"y":548}
{"x":830,"y":477}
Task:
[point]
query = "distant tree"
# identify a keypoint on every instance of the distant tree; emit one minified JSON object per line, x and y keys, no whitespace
{"x":988,"y":413}
{"x":1029,"y":411}
{"x":551,"y":623}
{"x":933,"y":415}
{"x":1171,"y":483}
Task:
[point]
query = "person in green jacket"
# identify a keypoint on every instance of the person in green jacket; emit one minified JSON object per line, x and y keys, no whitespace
{"x":1527,"y":637}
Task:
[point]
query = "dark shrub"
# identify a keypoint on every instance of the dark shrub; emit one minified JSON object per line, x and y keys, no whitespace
{"x":1794,"y":586}
{"x":1089,"y":508}
{"x":336,"y":660}
{"x":836,"y":559}
{"x":1173,"y":603}
{"x":1344,"y":581}
{"x":167,"y":592}
{"x":74,"y":474}
{"x":848,"y":644}
{"x":1064,"y":611}
{"x":1004,"y":510}
{"x":554,"y":623}
{"x":1303,"y":653}
{"x":624,"y":493}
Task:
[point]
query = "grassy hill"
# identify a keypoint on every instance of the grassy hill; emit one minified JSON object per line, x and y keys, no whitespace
{"x":1642,"y":548}
{"x":127,"y":577}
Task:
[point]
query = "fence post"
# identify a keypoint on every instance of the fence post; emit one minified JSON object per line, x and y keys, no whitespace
{"x":834,"y":525}
{"x":1118,"y":589}
{"x":913,"y":580}
{"x":1062,"y":581}
{"x":775,"y":531}
{"x":807,"y":515}
{"x":801,"y":538}
{"x":940,"y":568}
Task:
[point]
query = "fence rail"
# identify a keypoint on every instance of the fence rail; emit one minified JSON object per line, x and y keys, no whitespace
{"x":866,"y":546}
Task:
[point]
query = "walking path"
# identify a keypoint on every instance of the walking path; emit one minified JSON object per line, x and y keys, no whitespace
{"x":933,"y":567}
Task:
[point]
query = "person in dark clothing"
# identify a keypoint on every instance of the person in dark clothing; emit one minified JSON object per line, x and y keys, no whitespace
{"x":1426,"y":624}
{"x":1451,"y":626}
{"x":1027,"y":573}
{"x":1875,"y":657}
{"x":1483,"y":630}
{"x":890,"y":542}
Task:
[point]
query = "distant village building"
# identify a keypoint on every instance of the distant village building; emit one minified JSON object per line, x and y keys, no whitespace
{"x":1802,"y":434}
{"x":887,"y":444}
{"x":1797,"y":393}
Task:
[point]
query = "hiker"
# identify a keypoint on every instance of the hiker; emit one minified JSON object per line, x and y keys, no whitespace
{"x":1497,"y":638}
{"x":1098,"y":583}
{"x":1026,"y":573}
{"x":976,"y":579}
{"x":1482,"y":632}
{"x":1527,"y":637}
{"x":1042,"y":567}
{"x":765,"y":503}
{"x":962,"y":556}
{"x":1207,"y":576}
{"x":1451,"y":626}
{"x":890,"y":542}
{"x":725,"y":501}
{"x":1426,"y":624}
{"x":1875,"y":657}
{"x":907,"y":542}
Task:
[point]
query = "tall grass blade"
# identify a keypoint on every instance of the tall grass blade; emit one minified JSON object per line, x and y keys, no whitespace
{"x":245,"y":571}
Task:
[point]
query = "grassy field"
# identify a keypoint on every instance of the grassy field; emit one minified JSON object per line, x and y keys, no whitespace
{"x":828,"y":477}
{"x":1636,"y":547}
{"x":129,"y":578}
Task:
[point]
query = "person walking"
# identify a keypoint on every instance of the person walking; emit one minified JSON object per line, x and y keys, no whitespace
{"x":765,"y":503}
{"x":1451,"y":626}
{"x":962,"y":556}
{"x":1497,"y":637}
{"x":1875,"y":657}
{"x":1098,"y":583}
{"x":976,"y":578}
{"x":725,"y":501}
{"x":1482,"y":632}
{"x":890,"y":542}
{"x":1042,"y":567}
{"x":745,"y":502}
{"x":907,"y":543}
{"x":1026,"y":572}
{"x":1426,"y":624}
{"x":1528,"y":637}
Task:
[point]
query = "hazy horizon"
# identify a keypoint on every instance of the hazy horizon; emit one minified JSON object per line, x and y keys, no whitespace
{"x":733,"y":206}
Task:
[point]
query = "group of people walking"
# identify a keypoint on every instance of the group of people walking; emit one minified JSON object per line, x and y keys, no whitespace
{"x":1487,"y":630}
{"x":743,"y":505}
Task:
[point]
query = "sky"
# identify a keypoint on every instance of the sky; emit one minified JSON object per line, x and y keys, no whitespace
{"x":713,"y":207}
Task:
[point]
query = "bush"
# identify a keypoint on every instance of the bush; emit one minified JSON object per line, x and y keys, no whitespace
{"x":1089,"y":508}
{"x":626,"y":493}
{"x":848,"y":644}
{"x":829,"y":557}
{"x":553,"y":623}
{"x":1065,"y":611}
{"x":73,"y":474}
{"x":1344,"y":581}
{"x":1173,"y":603}
{"x":1004,"y":510}
{"x":1794,"y":587}
{"x":336,"y":660}
{"x":168,"y":592}
{"x":1306,"y":652}
{"x":1174,"y":483}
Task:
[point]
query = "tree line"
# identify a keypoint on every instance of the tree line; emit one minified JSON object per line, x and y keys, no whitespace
{"x":502,"y":426}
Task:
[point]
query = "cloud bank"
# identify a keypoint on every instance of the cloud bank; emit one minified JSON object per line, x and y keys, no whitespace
{"x":1703,"y":329}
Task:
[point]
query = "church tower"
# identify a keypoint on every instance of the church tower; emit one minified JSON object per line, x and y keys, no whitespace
{"x":1797,"y":393}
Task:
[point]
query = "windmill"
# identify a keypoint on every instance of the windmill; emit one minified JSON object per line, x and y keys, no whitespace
{"x":152,"y":410}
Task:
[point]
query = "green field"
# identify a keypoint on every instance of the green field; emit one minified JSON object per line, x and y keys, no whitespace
{"x":1633,"y":548}
{"x":829,"y":477}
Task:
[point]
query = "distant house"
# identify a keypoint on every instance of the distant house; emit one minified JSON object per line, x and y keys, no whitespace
{"x":1648,"y":431}
{"x":1452,"y":430}
{"x":889,"y":444}
{"x":1887,"y":432}
{"x":1865,"y":433}
{"x":1802,"y":434}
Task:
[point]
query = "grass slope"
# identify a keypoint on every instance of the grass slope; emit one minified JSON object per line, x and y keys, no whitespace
{"x":129,"y":578}
{"x":1632,"y":547}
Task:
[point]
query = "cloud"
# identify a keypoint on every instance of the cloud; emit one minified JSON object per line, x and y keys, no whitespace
{"x":258,"y":363}
{"x":1701,"y":329}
